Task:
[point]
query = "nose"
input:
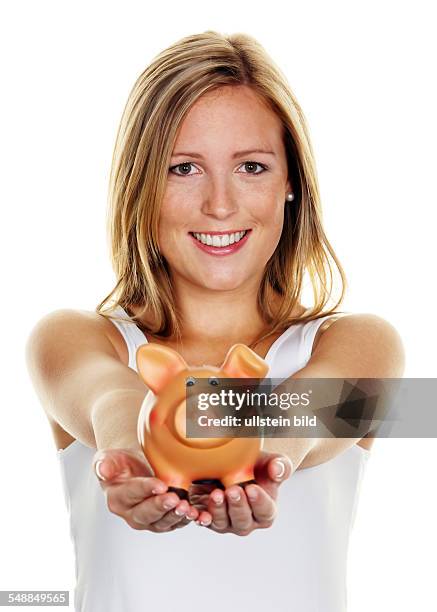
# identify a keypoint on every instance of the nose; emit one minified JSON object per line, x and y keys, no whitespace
{"x":219,"y":201}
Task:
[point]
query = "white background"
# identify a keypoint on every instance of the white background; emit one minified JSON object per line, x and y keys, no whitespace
{"x":365,"y":77}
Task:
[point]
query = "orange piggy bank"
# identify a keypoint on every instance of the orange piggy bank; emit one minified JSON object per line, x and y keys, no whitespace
{"x":176,"y":459}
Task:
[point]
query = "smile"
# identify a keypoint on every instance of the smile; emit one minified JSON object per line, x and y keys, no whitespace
{"x":220,"y":243}
{"x":221,"y":239}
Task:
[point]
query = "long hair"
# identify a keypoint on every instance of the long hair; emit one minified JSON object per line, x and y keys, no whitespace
{"x":160,"y":99}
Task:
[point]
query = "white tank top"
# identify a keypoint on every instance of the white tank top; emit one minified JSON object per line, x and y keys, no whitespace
{"x":299,"y":564}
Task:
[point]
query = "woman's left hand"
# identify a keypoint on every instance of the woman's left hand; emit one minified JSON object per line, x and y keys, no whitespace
{"x":243,"y":508}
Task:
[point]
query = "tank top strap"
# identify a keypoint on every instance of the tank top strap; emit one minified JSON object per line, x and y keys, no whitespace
{"x":278,"y":357}
{"x":310,"y":330}
{"x":292,"y":350}
{"x":131,"y":333}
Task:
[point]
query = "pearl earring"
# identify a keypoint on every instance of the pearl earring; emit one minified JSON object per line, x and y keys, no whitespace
{"x":290,"y":197}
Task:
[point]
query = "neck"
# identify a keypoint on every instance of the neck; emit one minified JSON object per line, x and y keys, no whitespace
{"x":215,"y":316}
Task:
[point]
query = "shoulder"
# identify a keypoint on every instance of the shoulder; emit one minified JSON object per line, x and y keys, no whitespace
{"x":69,"y":321}
{"x":56,"y":344}
{"x":73,"y":326}
{"x":360,"y":345}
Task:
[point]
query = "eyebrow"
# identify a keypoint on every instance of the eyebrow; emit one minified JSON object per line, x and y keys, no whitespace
{"x":236,"y":154}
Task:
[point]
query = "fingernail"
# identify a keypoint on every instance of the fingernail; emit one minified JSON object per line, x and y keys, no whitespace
{"x":179,"y":512}
{"x":234,"y":495}
{"x":279,"y":468}
{"x":159,"y":490}
{"x":169,"y":504}
{"x":218,"y":499}
{"x":97,"y":469}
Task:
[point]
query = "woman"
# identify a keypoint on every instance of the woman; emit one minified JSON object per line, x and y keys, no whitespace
{"x":214,"y":220}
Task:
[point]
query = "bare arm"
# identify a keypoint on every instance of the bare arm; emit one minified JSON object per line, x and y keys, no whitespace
{"x":356,"y":346}
{"x":81,"y":382}
{"x":83,"y":386}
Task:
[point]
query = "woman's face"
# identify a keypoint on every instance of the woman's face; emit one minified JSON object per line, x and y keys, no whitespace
{"x":228,"y":174}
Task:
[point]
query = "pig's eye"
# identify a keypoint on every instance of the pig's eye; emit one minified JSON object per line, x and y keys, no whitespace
{"x":190,"y":381}
{"x":213,"y":381}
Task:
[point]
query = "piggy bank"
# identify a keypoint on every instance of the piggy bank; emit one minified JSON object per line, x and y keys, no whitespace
{"x":176,"y":459}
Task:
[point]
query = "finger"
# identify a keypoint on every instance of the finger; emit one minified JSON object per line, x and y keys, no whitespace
{"x":262,"y":505}
{"x":192,"y":514}
{"x":125,"y":495}
{"x":271,"y":470}
{"x":152,"y":509}
{"x":280,"y":468}
{"x":217,"y":507}
{"x":204,"y":518}
{"x":173,"y":517}
{"x":240,"y":513}
{"x":110,"y":464}
{"x":275,"y":466}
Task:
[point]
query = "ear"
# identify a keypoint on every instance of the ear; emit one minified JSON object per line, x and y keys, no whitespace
{"x":288,"y":187}
{"x":158,"y":364}
{"x":242,"y":362}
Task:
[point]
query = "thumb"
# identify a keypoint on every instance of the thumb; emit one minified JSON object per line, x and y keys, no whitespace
{"x":120,"y":464}
{"x":275,"y":467}
{"x":271,"y":470}
{"x":280,"y":468}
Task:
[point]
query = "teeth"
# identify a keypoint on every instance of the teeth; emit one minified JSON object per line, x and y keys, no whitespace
{"x":220,"y":241}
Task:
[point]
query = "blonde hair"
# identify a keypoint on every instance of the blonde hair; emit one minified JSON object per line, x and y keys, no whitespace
{"x":161,"y":97}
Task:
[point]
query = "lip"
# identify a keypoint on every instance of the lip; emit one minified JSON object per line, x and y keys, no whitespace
{"x":227,"y":250}
{"x":234,"y":231}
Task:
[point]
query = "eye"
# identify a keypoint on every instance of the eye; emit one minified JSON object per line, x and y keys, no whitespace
{"x":184,"y":169}
{"x":213,"y":381}
{"x":250,"y":165}
{"x":190,"y":381}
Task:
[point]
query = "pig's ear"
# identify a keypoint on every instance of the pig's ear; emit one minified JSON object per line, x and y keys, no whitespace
{"x":158,"y":364}
{"x":242,"y":362}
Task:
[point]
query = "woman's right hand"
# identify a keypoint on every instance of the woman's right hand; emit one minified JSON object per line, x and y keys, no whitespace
{"x":134,"y":494}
